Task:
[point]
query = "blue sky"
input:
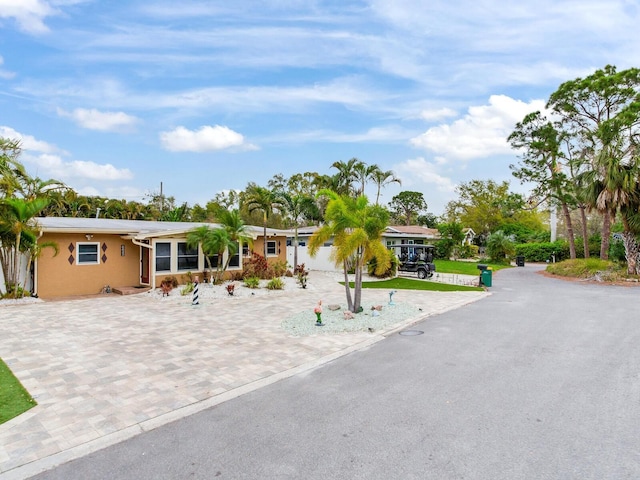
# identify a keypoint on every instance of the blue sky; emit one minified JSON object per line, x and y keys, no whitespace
{"x":115,"y":97}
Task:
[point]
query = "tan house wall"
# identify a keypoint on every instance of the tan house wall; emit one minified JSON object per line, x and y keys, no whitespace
{"x":58,"y":277}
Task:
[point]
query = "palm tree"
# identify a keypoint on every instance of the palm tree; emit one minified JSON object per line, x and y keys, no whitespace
{"x":347,"y":175}
{"x":382,"y":179}
{"x":296,"y":206}
{"x":213,"y":241}
{"x":17,"y":224}
{"x":356,"y":228}
{"x":263,"y":200}
{"x":238,"y":232}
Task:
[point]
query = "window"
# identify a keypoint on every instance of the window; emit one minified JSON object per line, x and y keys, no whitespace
{"x":88,"y":254}
{"x":234,"y":261}
{"x":163,"y":257}
{"x":245,"y":250}
{"x":271,"y":247}
{"x":187,"y":257}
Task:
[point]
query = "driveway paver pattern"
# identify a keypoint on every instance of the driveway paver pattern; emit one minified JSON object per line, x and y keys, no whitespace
{"x":104,"y":369}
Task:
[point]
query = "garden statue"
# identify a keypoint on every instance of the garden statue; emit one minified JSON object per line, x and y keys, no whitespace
{"x":391,"y":297}
{"x":318,"y":311}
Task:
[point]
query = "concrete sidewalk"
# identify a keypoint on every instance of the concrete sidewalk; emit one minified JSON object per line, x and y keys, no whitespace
{"x":105,"y":369}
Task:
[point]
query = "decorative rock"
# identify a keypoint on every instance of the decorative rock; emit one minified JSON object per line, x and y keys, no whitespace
{"x":333,"y":307}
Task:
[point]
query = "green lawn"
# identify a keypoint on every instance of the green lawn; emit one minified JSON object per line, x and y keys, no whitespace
{"x":14,"y":399}
{"x":411,"y":284}
{"x":465,"y":268}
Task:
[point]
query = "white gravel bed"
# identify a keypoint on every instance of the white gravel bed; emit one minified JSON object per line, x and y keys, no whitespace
{"x":207,"y":291}
{"x":304,"y":323}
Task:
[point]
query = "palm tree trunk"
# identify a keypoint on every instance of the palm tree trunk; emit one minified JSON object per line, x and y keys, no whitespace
{"x":585,"y":233}
{"x":358,"y":283}
{"x":264,"y":225}
{"x":346,"y":286}
{"x":569,"y":225}
{"x":606,"y":232}
{"x":631,"y":250}
{"x":16,"y":261}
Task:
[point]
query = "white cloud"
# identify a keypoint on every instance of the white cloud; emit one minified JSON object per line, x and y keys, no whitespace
{"x":420,"y":172}
{"x":27,"y":142}
{"x":384,"y":134}
{"x":46,"y":158}
{"x":56,"y":167}
{"x":431,"y":115}
{"x":483,"y":131}
{"x":29,"y":14}
{"x":103,"y":121}
{"x":206,"y":139}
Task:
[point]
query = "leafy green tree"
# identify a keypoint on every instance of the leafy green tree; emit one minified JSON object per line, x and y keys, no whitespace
{"x":356,"y":227}
{"x":406,"y":207}
{"x":454,"y":234}
{"x":485,"y":205}
{"x":542,"y":164}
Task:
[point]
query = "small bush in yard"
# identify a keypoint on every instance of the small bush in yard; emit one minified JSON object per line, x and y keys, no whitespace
{"x":252,"y":282}
{"x":275,"y":284}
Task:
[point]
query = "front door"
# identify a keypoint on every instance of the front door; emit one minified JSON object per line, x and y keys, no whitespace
{"x":144,"y":265}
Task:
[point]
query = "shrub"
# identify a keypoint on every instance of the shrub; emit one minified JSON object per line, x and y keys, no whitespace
{"x":170,"y":280}
{"x":279,"y":268}
{"x":275,"y":284}
{"x":257,"y":266}
{"x":390,"y":272}
{"x":541,"y":252}
{"x":252,"y":282}
{"x":187,"y":289}
{"x":500,"y":247}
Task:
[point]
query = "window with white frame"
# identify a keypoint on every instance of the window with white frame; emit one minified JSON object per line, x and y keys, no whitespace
{"x":271,"y":247}
{"x":234,"y":261}
{"x":88,"y":254}
{"x":187,"y":257}
{"x":163,"y":257}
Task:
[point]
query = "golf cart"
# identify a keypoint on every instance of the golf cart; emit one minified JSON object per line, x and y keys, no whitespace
{"x":415,"y":258}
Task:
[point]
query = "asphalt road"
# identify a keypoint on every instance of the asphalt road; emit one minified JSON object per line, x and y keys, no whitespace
{"x":538,"y":381}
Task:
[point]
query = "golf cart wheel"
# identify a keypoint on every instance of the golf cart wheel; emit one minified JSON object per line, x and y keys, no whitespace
{"x":422,"y":274}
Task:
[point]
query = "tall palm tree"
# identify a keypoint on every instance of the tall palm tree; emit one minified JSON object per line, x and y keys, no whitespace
{"x":17,"y":223}
{"x":347,"y":175}
{"x":364,"y":173}
{"x":263,"y":200}
{"x":357,"y":229}
{"x":611,"y":186}
{"x":383,"y":178}
{"x":296,"y":205}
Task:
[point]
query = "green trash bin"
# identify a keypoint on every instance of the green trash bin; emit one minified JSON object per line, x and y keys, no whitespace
{"x":485,"y":277}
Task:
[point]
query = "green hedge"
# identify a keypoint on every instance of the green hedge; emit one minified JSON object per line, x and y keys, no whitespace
{"x":541,"y":252}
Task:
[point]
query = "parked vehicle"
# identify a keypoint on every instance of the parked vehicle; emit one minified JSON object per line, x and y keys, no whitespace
{"x":415,"y":258}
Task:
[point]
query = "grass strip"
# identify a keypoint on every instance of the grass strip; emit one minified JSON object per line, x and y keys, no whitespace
{"x":14,"y":398}
{"x":465,"y":268}
{"x":410,"y":284}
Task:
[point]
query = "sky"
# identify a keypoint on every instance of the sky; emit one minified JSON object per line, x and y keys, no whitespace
{"x":114,"y":98}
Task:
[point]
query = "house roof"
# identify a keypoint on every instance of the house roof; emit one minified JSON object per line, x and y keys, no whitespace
{"x":139,"y":229}
{"x":411,"y":230}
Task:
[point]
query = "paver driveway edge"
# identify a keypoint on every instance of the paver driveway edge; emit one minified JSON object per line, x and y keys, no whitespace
{"x":47,"y":463}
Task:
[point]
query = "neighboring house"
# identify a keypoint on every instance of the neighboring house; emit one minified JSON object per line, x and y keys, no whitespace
{"x":469,"y":236}
{"x":416,"y":234}
{"x":393,"y":235}
{"x":96,"y":252}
